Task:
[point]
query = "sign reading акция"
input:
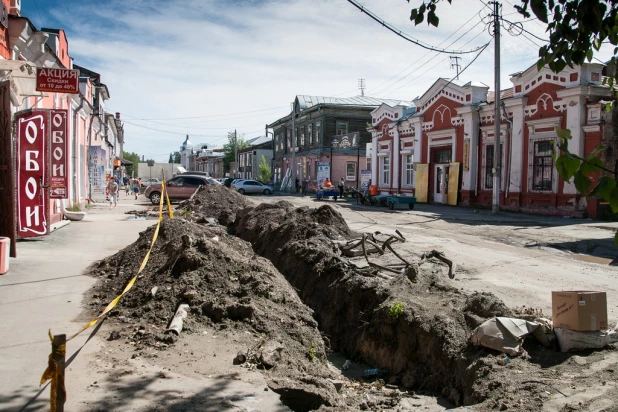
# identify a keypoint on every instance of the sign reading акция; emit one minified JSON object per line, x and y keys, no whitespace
{"x":57,"y":80}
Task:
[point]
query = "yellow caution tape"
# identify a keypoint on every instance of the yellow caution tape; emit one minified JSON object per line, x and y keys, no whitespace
{"x":52,"y":371}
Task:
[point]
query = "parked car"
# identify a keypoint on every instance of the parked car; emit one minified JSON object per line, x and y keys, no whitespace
{"x":220,"y":180}
{"x":150,"y":181}
{"x":180,"y":187}
{"x":196,"y":173}
{"x":227,"y":182}
{"x":252,"y":186}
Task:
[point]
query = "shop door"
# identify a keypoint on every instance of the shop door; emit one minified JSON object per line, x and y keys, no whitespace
{"x":440,"y":188}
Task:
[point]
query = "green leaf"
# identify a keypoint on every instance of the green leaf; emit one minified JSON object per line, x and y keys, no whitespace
{"x":433,"y":19}
{"x":582,"y":182}
{"x":413,"y":14}
{"x":594,"y":153}
{"x":539,"y":9}
{"x":613,"y":200}
{"x":591,"y":166}
{"x":567,"y":166}
{"x":604,"y":187}
{"x":563,"y":133}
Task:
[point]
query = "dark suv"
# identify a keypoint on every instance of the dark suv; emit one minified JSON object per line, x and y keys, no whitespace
{"x":180,"y":187}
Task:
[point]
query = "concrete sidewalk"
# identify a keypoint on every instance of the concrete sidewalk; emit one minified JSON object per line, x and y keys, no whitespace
{"x":43,"y":290}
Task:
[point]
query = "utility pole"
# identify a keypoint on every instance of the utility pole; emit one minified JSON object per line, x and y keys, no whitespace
{"x":293,"y":175}
{"x":495,"y":206}
{"x":235,"y":153}
{"x":361,"y":86}
{"x":456,"y":65}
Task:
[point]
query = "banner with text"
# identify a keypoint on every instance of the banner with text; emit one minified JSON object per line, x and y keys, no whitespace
{"x":31,"y":157}
{"x":57,"y":80}
{"x":58,"y":160}
{"x":323,"y":172}
{"x":97,"y":170}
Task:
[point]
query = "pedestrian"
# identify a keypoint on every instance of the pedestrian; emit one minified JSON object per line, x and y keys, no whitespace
{"x":297,"y":186}
{"x":305,"y":183}
{"x":341,"y":186}
{"x":127,"y":185}
{"x":137,"y":185}
{"x":112,"y":187}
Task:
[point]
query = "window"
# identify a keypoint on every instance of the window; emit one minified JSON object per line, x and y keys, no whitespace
{"x":408,"y":177}
{"x":350,"y":171}
{"x":386,"y":171}
{"x":442,"y":155}
{"x":302,"y":136}
{"x":289,"y":137}
{"x":318,"y":126}
{"x":542,"y":165}
{"x":310,"y":133}
{"x":193,"y":181}
{"x":178,"y":181}
{"x":341,"y":128}
{"x":489,"y":165}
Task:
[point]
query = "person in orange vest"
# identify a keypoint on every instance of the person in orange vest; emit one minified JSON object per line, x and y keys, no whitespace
{"x":327,"y":183}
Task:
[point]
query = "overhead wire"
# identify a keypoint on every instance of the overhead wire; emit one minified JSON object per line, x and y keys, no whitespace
{"x":425,"y":55}
{"x":389,"y":88}
{"x":406,"y":36}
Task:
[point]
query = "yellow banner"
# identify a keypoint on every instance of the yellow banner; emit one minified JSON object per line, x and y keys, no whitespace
{"x":422,"y":182}
{"x":453,"y":183}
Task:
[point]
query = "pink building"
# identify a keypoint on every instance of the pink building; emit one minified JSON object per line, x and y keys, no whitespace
{"x":443,"y":152}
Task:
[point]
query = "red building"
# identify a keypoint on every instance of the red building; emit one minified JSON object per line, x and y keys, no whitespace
{"x":443,"y":152}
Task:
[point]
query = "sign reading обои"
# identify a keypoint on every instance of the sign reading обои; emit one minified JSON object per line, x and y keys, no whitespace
{"x":57,"y":80}
{"x":31,"y":149}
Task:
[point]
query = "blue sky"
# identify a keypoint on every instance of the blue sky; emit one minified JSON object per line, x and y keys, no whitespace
{"x":205,"y":67}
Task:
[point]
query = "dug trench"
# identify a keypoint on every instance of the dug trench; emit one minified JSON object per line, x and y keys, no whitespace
{"x":425,"y":347}
{"x":275,"y":273}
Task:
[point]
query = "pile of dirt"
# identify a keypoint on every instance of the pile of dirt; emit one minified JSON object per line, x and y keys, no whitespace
{"x":214,"y":201}
{"x":228,"y":287}
{"x":423,"y":346}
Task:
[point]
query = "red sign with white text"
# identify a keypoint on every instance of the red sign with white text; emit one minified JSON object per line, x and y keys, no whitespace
{"x":57,"y":80}
{"x":58,"y":159}
{"x":31,"y":149}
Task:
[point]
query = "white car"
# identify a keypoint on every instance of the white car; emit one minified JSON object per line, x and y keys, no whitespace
{"x":150,"y":181}
{"x":252,"y":186}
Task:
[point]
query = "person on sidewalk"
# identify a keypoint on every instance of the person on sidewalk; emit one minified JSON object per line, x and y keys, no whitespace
{"x":127,"y":185}
{"x":137,"y":185}
{"x":305,"y":184}
{"x":112,"y":187}
{"x":341,"y":187}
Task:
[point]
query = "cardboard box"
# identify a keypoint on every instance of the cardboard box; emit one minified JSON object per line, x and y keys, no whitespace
{"x":579,"y":310}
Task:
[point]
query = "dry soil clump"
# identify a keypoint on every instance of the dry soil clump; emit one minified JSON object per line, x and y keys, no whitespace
{"x":214,"y":201}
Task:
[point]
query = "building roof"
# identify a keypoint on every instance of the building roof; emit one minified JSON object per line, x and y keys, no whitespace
{"x":504,"y":94}
{"x":259,"y":140}
{"x":306,"y":101}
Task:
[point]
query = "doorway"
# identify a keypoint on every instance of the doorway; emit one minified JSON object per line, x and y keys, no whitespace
{"x":440,"y":191}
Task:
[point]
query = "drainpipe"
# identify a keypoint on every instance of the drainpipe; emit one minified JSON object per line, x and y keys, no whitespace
{"x":508,"y":173}
{"x":74,"y":160}
{"x":478,"y":144}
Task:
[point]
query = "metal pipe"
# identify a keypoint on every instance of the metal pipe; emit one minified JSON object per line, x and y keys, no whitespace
{"x":74,"y":144}
{"x":510,"y":140}
{"x":495,"y":207}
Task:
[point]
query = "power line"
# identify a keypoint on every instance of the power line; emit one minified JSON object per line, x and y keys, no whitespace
{"x":426,"y":54}
{"x":39,"y":13}
{"x":436,"y":55}
{"x":468,"y":65}
{"x":205,"y":117}
{"x":406,"y":36}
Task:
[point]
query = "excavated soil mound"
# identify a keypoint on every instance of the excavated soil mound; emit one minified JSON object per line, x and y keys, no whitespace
{"x":228,"y":287}
{"x":216,"y":201}
{"x":425,"y":346}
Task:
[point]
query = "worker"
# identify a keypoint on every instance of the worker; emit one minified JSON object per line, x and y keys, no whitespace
{"x":327,"y":183}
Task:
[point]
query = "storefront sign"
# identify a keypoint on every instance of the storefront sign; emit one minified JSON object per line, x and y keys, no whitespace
{"x":57,"y":80}
{"x":345,"y":141}
{"x":58,"y":159}
{"x":97,"y":170}
{"x":365,"y":178}
{"x":31,"y":157}
{"x":323,"y":172}
{"x":466,"y":155}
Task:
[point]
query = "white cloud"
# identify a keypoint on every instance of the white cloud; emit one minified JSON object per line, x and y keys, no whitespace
{"x":211,"y":57}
